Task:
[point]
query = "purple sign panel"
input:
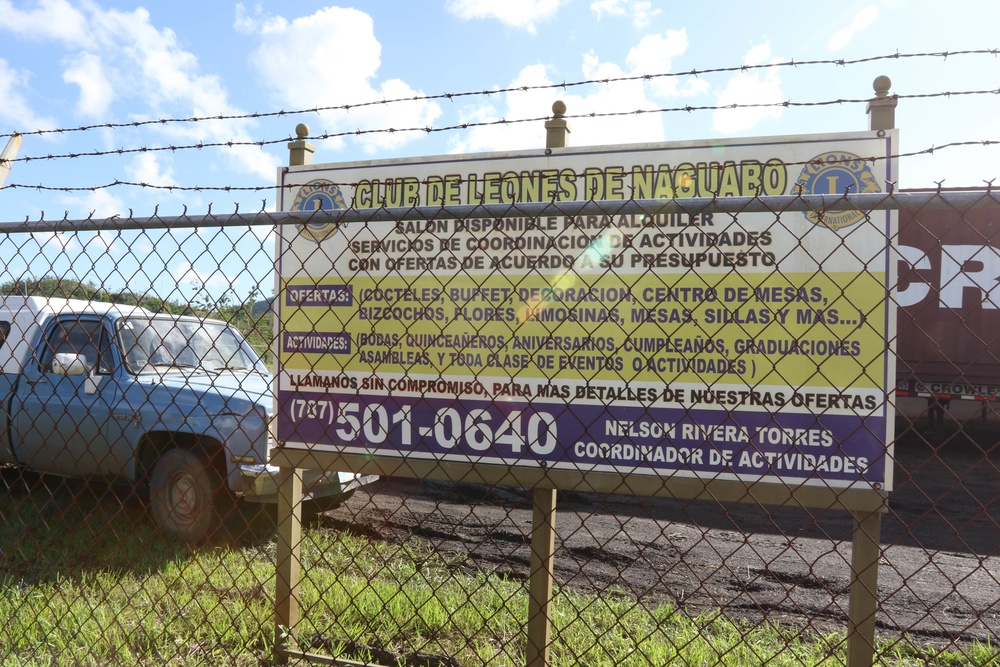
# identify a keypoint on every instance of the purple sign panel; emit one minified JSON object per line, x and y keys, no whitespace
{"x":706,"y":443}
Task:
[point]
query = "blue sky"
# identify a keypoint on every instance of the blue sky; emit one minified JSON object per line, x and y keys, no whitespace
{"x":66,"y":64}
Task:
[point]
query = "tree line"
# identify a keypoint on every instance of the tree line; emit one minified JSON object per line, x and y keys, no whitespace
{"x":256,"y":324}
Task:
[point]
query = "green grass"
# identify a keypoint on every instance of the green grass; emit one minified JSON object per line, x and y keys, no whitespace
{"x":86,"y":580}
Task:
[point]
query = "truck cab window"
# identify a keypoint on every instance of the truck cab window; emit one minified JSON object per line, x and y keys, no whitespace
{"x":4,"y":331}
{"x":86,"y":339}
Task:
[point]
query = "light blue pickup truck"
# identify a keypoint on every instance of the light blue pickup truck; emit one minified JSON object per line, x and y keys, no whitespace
{"x":182,"y":404}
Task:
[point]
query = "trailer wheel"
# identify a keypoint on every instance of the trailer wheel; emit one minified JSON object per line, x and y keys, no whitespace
{"x":182,"y":496}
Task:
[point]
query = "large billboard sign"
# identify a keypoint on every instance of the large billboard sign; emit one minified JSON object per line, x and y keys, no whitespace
{"x":748,"y":346}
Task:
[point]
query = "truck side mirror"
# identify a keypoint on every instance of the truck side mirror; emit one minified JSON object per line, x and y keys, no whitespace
{"x":65,"y":363}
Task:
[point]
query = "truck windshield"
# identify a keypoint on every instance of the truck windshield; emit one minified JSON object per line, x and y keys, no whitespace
{"x":158,"y":345}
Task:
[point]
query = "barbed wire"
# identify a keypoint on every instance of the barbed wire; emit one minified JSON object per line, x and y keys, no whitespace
{"x":260,"y":188}
{"x":839,"y":62}
{"x":502,"y":121}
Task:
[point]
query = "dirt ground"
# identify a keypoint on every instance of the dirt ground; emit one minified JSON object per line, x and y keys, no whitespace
{"x":939,"y":577}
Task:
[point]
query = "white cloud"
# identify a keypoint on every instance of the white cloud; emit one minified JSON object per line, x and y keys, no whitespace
{"x":658,"y":51}
{"x":641,"y":11}
{"x":51,"y":20}
{"x":615,"y":112}
{"x":655,"y":54}
{"x":122,"y":56}
{"x":98,"y":204}
{"x":107,"y":240}
{"x":95,"y":245}
{"x":244,"y":23}
{"x":162,"y":73}
{"x":759,"y":86}
{"x":609,"y":7}
{"x":187,"y":276}
{"x":170,"y":81}
{"x":15,"y":110}
{"x":148,"y":168}
{"x":863,"y":19}
{"x":612,"y":98}
{"x":96,"y":91}
{"x":520,"y":14}
{"x":526,"y":104}
{"x":329,"y":59}
{"x":59,"y":241}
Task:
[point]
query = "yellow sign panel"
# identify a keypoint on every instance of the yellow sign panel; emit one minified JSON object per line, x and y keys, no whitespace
{"x":737,"y":346}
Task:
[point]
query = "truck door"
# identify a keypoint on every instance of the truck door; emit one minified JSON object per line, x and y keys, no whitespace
{"x":61,"y":420}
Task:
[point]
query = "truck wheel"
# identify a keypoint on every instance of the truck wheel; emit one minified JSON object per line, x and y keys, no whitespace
{"x":182,"y":494}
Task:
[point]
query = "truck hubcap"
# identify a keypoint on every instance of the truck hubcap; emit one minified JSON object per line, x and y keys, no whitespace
{"x":184,"y":496}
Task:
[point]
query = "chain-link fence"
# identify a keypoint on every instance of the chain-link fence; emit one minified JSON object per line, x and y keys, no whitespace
{"x":139,"y":521}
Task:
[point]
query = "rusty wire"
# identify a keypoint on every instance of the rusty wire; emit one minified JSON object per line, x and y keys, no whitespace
{"x":469,"y":125}
{"x":757,"y":565}
{"x":839,"y":62}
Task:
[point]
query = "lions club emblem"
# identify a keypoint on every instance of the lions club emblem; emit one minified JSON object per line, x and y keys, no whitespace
{"x":836,"y":173}
{"x":318,"y":195}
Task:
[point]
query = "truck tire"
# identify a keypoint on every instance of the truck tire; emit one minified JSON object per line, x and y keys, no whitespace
{"x":183,"y":494}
